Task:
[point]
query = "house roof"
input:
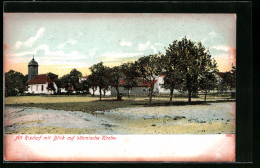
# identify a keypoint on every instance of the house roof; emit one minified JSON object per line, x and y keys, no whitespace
{"x":85,"y":77}
{"x":40,"y":79}
{"x":146,"y":84}
{"x":139,"y":81}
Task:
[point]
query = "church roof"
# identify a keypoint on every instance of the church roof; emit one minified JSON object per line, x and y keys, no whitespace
{"x":40,"y":79}
{"x":33,"y":62}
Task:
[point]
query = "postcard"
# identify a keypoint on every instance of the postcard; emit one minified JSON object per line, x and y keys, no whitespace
{"x":120,"y":87}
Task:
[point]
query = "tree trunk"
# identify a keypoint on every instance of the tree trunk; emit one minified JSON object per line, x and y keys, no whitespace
{"x":100,"y":93}
{"x":128,"y":93}
{"x":118,"y":94}
{"x":189,"y":98}
{"x":151,"y":95}
{"x":93,"y":92}
{"x":171,"y":93}
{"x":205,"y":97}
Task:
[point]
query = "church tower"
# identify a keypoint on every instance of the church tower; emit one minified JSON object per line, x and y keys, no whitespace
{"x":32,"y":69}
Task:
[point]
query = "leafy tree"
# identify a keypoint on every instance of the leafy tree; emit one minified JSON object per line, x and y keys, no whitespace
{"x":70,"y":80}
{"x":64,"y":81}
{"x":74,"y":78}
{"x":171,"y":68}
{"x":208,"y":82}
{"x":233,"y":73}
{"x":228,"y":81}
{"x":115,"y":75}
{"x":100,"y":76}
{"x":50,"y":86}
{"x":129,"y":76}
{"x":92,"y":81}
{"x":207,"y":78}
{"x":85,"y":85}
{"x":148,"y":68}
{"x":15,"y":82}
{"x":194,"y":61}
{"x":54,"y":78}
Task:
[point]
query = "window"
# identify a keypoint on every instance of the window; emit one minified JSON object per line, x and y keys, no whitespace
{"x":42,"y":88}
{"x":36,"y":87}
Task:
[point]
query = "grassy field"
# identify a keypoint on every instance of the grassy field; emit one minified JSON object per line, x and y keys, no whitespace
{"x":90,"y":104}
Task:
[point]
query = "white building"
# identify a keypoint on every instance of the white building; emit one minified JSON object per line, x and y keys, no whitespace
{"x":39,"y":85}
{"x":161,"y":90}
{"x":96,"y":92}
{"x":142,"y":89}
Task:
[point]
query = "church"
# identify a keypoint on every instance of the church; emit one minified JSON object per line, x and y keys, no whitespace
{"x":39,"y":83}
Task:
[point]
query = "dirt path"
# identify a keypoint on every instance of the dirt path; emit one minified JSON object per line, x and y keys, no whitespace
{"x":194,"y":119}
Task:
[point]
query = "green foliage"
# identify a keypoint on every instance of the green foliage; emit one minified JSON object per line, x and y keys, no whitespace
{"x":91,"y":80}
{"x":129,"y":76}
{"x":100,"y":76}
{"x":15,"y":82}
{"x":172,"y":69}
{"x":148,"y":67}
{"x":208,"y":82}
{"x":54,"y":78}
{"x":70,"y":81}
{"x":194,"y":62}
{"x":227,"y":82}
{"x":50,"y":86}
{"x":85,"y":85}
{"x":115,"y":75}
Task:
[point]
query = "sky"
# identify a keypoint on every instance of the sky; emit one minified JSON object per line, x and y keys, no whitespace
{"x":63,"y":41}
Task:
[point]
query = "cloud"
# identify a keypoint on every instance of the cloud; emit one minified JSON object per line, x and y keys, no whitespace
{"x":68,"y":42}
{"x":46,"y":56}
{"x":223,"y":48}
{"x":114,"y":56}
{"x":143,"y":46}
{"x":30,"y":41}
{"x":61,"y":46}
{"x":126,"y":43}
{"x":154,"y":49}
{"x":213,"y":33}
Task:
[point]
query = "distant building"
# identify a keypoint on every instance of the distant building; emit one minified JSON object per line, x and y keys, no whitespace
{"x":162,"y":90}
{"x":96,"y":92}
{"x":39,"y":84}
{"x":142,"y":89}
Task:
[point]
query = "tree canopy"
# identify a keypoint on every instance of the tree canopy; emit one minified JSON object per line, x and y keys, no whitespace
{"x":100,"y":74}
{"x":148,"y":67}
{"x":71,"y":80}
{"x":15,"y":82}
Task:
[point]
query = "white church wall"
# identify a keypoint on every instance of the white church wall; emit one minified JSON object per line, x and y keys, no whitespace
{"x":41,"y":89}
